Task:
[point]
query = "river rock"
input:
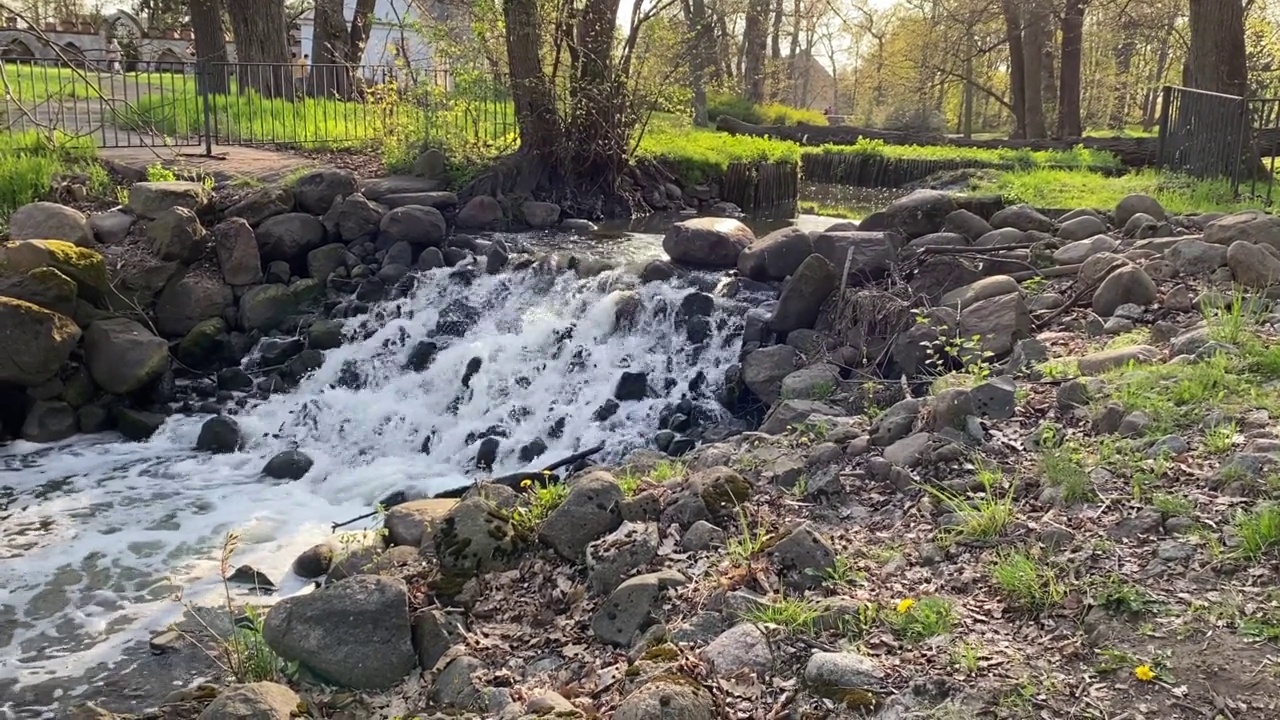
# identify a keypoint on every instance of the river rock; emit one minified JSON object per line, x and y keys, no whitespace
{"x":123,"y":356}
{"x":148,"y":200}
{"x":410,"y":522}
{"x":44,"y":287}
{"x":237,"y":249}
{"x":668,"y":697}
{"x":743,"y":647}
{"x":919,"y":213}
{"x":540,"y":215}
{"x":707,"y":242}
{"x":804,"y":294}
{"x":865,"y":255}
{"x":1081,"y":228}
{"x":207,"y":346}
{"x":591,"y":511}
{"x":314,"y":562}
{"x":940,"y":239}
{"x":1003,"y":236}
{"x":1252,"y":266}
{"x":631,"y":607}
{"x":358,"y":218}
{"x":111,"y":227}
{"x":288,"y":465}
{"x":137,"y":425}
{"x":776,"y":255}
{"x":289,"y":236}
{"x":612,"y":558}
{"x":415,"y":224}
{"x":84,"y":266}
{"x":1021,"y":217}
{"x":1104,"y":360}
{"x":803,"y":558}
{"x":963,"y":298}
{"x":473,"y":538}
{"x":1251,"y":226}
{"x":266,"y":307}
{"x":1138,"y":204}
{"x":38,"y":343}
{"x":763,"y":370}
{"x":1194,"y":256}
{"x":326,"y":259}
{"x":378,"y":188}
{"x":790,"y":413}
{"x":1077,"y":252}
{"x":1129,"y":284}
{"x":176,"y":234}
{"x":999,"y":322}
{"x":254,"y":701}
{"x":219,"y":434}
{"x":480,"y":213}
{"x":262,"y":204}
{"x":434,"y":633}
{"x":315,"y":192}
{"x":440,"y":200}
{"x":50,"y":221}
{"x":49,"y":421}
{"x":835,"y":671}
{"x":963,"y":222}
{"x":354,"y":633}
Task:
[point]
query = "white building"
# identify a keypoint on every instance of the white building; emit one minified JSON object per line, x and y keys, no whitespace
{"x":395,"y":38}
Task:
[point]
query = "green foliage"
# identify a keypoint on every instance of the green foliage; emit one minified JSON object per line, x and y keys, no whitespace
{"x":159,"y":173}
{"x":797,"y":615}
{"x":540,"y":501}
{"x":1259,"y":531}
{"x":984,"y":517}
{"x":697,"y":156}
{"x":1027,"y":581}
{"x":767,"y":114}
{"x":1063,"y":468}
{"x":1077,"y":158}
{"x":1058,"y":188}
{"x":30,"y":161}
{"x":922,"y":619}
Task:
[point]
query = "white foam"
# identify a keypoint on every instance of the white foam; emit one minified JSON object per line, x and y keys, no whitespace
{"x":103,"y":533}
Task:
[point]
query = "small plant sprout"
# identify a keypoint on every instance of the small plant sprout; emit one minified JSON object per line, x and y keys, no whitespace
{"x":1027,"y":581}
{"x":967,"y":656}
{"x":541,"y":500}
{"x":745,"y":544}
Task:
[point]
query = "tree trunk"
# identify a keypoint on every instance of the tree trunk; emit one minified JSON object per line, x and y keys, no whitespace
{"x":1069,"y":122}
{"x":361,"y":20}
{"x":755,"y":38}
{"x":1216,"y":60}
{"x":1017,"y":67}
{"x":329,"y":51}
{"x":262,"y":46}
{"x":210,"y":46}
{"x":596,"y":123}
{"x":1033,"y":42}
{"x":1120,"y":88}
{"x":775,"y":39}
{"x":701,"y":36}
{"x":1157,"y":80}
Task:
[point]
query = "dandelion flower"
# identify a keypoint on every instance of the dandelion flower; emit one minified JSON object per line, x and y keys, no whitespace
{"x":1144,"y":673}
{"x":905,"y":605}
{"x":526,"y":483}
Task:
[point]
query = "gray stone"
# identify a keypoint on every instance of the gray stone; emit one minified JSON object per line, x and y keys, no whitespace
{"x":1125,"y":285}
{"x":803,"y":558}
{"x":764,"y":370}
{"x":480,"y":213}
{"x":667,"y":698}
{"x":995,"y":398}
{"x":315,"y":192}
{"x":415,"y":224}
{"x":804,"y":294}
{"x":790,"y":413}
{"x":49,"y":421}
{"x":1168,"y":446}
{"x":828,"y":671}
{"x":1134,"y":424}
{"x":111,"y":227}
{"x":359,"y":218}
{"x":253,"y":701}
{"x":1139,"y":226}
{"x":456,"y":688}
{"x":289,"y":236}
{"x":1252,"y":226}
{"x":1081,"y":228}
{"x":1251,"y":266}
{"x":473,"y":538}
{"x":816,"y":382}
{"x":964,"y":297}
{"x":440,"y":200}
{"x":910,"y":451}
{"x":176,"y":234}
{"x":919,"y":213}
{"x":963,"y":222}
{"x":951,"y":409}
{"x":741,"y":648}
{"x":148,"y":200}
{"x":999,"y":322}
{"x":707,"y":242}
{"x":1104,"y":360}
{"x":434,"y":632}
{"x":1077,"y":252}
{"x":43,"y":287}
{"x":1021,"y":217}
{"x":1194,"y":256}
{"x":50,"y":221}
{"x":631,"y":607}
{"x":896,"y":422}
{"x":266,"y":307}
{"x":776,"y":255}
{"x":123,"y":356}
{"x":237,"y":250}
{"x":1137,"y":203}
{"x":539,"y":215}
{"x":1003,"y":236}
{"x":262,"y":204}
{"x":326,"y":259}
{"x":864,"y":255}
{"x":288,"y":465}
{"x":378,"y":188}
{"x":590,"y":511}
{"x":189,"y":299}
{"x":219,"y":434}
{"x":613,"y":557}
{"x":942,"y":239}
{"x":702,"y":536}
{"x":431,"y":164}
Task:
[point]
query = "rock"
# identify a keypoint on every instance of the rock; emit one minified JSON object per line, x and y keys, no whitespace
{"x":919,"y":213}
{"x":1077,"y":252}
{"x":764,"y":370}
{"x":790,"y":413}
{"x":1251,"y":226}
{"x":1021,"y":217}
{"x":836,"y":671}
{"x":237,"y":249}
{"x":702,"y":536}
{"x":289,"y":236}
{"x":804,"y":294}
{"x":743,"y":647}
{"x":111,"y":227}
{"x":964,"y":297}
{"x":667,"y":697}
{"x":432,"y":165}
{"x":1251,"y":266}
{"x":85,"y":267}
{"x":137,"y":425}
{"x":123,"y":356}
{"x":1139,"y":226}
{"x":49,"y":421}
{"x":963,"y":222}
{"x":1134,"y":204}
{"x":549,"y":703}
{"x":43,"y":287}
{"x":1102,"y":361}
{"x":474,"y":538}
{"x":776,"y":255}
{"x":1125,"y":285}
{"x":219,"y":434}
{"x":1196,"y":257}
{"x":1081,"y":228}
{"x":254,"y":701}
{"x":326,"y":259}
{"x":590,"y":511}
{"x":378,"y":188}
{"x":951,"y":409}
{"x":417,"y":225}
{"x":266,"y":307}
{"x":613,"y":557}
{"x":288,"y":465}
{"x":816,"y":382}
{"x":434,"y":633}
{"x":480,"y":213}
{"x":456,"y":688}
{"x":866,"y":255}
{"x":176,"y":234}
{"x":631,"y":386}
{"x":354,"y":633}
{"x":440,"y":200}
{"x":1003,"y":236}
{"x":431,"y":259}
{"x":999,"y":322}
{"x":38,"y":343}
{"x":895,"y":423}
{"x":938,"y":240}
{"x":50,"y":221}
{"x":707,"y":242}
{"x":630,"y":608}
{"x":803,"y":558}
{"x":261,"y":205}
{"x":909,"y":452}
{"x":358,"y":218}
{"x":148,"y":200}
{"x":412,"y":522}
{"x":995,"y":398}
{"x":313,"y":562}
{"x":315,"y":192}
{"x":539,"y":215}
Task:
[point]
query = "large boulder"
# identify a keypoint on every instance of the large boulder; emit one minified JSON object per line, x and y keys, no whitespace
{"x":148,"y":200}
{"x":43,"y":286}
{"x":591,"y":511}
{"x":123,"y":356}
{"x":764,"y":370}
{"x":707,"y":242}
{"x":85,"y":267}
{"x":324,"y":260}
{"x":315,"y":192}
{"x":49,"y":421}
{"x":266,"y":307}
{"x":1194,"y":256}
{"x":1138,"y":204}
{"x":1128,"y":285}
{"x":473,"y":538}
{"x":919,"y":213}
{"x":111,"y":227}
{"x":237,"y":249}
{"x":289,"y":236}
{"x":354,"y":633}
{"x":253,"y":701}
{"x":378,"y":188}
{"x":803,"y":295}
{"x":37,"y":343}
{"x":415,"y":224}
{"x":539,"y":215}
{"x":188,"y":299}
{"x":176,"y":234}
{"x":480,"y":213}
{"x":865,"y":255}
{"x":439,"y":200}
{"x":1252,"y":266}
{"x":1252,"y":226}
{"x":262,"y":204}
{"x":999,"y":322}
{"x":50,"y":221}
{"x":358,"y":218}
{"x":776,"y":255}
{"x":1021,"y":217}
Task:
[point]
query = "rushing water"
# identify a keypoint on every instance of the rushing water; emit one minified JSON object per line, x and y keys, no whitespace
{"x":97,"y":535}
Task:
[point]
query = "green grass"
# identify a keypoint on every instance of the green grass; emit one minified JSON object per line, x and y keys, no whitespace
{"x":697,"y":156}
{"x":1259,"y":531}
{"x":1062,"y":468}
{"x":796,"y":615}
{"x":540,"y":502}
{"x":922,"y":619}
{"x":760,"y":114}
{"x":1027,"y":581}
{"x":1062,"y":189}
{"x":30,"y":161}
{"x":39,"y":83}
{"x":984,"y":517}
{"x":1078,"y":157}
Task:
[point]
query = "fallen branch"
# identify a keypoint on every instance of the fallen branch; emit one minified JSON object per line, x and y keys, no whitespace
{"x":516,"y":480}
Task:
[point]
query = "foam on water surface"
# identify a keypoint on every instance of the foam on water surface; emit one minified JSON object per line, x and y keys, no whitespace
{"x":97,"y":535}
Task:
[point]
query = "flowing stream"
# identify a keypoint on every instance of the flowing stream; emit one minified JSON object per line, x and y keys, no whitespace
{"x":98,"y":536}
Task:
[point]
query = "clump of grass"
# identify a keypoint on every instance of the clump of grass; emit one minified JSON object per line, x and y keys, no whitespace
{"x":1171,"y":505}
{"x":1062,"y":468}
{"x":663,"y":471}
{"x":921,"y":619}
{"x":982,"y":518}
{"x":1059,"y":368}
{"x":719,"y":104}
{"x":967,"y":656}
{"x":797,"y":615}
{"x":1221,"y":438}
{"x":745,"y":544}
{"x":1027,"y":581}
{"x":30,"y":161}
{"x":541,"y":500}
{"x":1259,"y":531}
{"x":159,"y":173}
{"x":1120,"y":596}
{"x":1053,"y":187}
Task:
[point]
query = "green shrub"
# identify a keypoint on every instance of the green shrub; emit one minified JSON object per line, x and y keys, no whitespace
{"x":763,"y":114}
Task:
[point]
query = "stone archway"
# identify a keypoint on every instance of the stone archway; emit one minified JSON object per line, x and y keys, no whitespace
{"x":17,"y":50}
{"x":167,"y":60}
{"x":73,"y":54}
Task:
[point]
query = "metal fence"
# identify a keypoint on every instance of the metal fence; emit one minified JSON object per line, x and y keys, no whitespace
{"x":318,"y":106}
{"x":1216,"y":136}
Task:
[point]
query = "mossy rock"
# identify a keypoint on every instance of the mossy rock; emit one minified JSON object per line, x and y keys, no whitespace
{"x":853,"y":698}
{"x":39,"y":343}
{"x":43,"y":286}
{"x":85,"y":267}
{"x":722,"y":490}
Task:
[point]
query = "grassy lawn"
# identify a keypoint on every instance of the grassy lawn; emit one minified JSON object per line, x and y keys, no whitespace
{"x":29,"y":83}
{"x":1069,"y":189}
{"x":29,"y":162}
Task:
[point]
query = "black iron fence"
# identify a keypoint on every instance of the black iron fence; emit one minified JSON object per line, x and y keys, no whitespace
{"x":1215,"y":136}
{"x":202,"y":105}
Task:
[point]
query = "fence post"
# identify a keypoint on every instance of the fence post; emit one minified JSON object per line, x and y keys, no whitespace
{"x":1166,"y":98}
{"x":204,"y":72}
{"x":1239,"y":159}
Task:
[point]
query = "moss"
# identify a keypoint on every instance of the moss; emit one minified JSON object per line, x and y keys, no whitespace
{"x":852,"y":698}
{"x":724,"y":491}
{"x":662,"y":653}
{"x":84,"y":266}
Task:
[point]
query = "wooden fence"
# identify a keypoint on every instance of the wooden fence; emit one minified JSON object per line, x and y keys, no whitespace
{"x":766,"y":190}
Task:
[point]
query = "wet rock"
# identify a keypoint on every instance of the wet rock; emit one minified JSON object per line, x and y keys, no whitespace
{"x":415,"y":224}
{"x":314,"y":562}
{"x":487,"y":454}
{"x":137,"y":425}
{"x":39,"y":343}
{"x":354,"y":633}
{"x":631,"y":386}
{"x":776,"y":255}
{"x":188,"y":300}
{"x":590,"y":511}
{"x":631,"y":607}
{"x":480,"y":213}
{"x":741,"y":648}
{"x":266,"y":307}
{"x":613,"y":557}
{"x":539,"y":215}
{"x":803,"y":558}
{"x":804,"y":294}
{"x":219,"y":434}
{"x":149,"y":199}
{"x":253,"y":701}
{"x":288,"y":465}
{"x":764,"y":370}
{"x":707,"y":242}
{"x":49,"y":421}
{"x":123,"y":356}
{"x":434,"y":633}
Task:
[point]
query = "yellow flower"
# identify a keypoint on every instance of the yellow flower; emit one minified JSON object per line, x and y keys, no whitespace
{"x":526,"y":483}
{"x":1144,"y":673}
{"x":905,"y":605}
{"x":546,"y":473}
